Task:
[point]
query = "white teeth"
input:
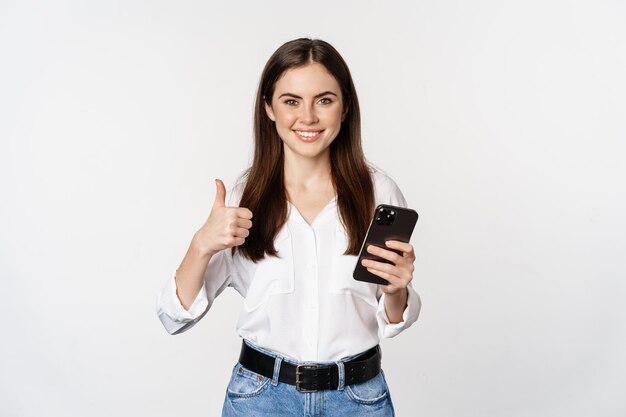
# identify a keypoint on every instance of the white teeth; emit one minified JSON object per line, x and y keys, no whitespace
{"x":307,"y":134}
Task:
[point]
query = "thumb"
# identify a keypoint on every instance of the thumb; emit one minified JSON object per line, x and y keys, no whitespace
{"x":220,"y":194}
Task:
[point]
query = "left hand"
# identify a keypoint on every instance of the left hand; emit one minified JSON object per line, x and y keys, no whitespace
{"x":399,"y":273}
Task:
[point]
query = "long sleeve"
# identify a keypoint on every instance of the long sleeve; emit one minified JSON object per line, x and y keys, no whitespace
{"x":391,"y":194}
{"x":409,"y":316}
{"x":219,"y":274}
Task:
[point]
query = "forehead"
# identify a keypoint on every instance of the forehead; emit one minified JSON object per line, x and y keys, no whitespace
{"x":310,"y":79}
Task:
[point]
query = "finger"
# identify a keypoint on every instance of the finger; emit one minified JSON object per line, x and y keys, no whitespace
{"x":380,"y":266}
{"x":405,"y":247}
{"x":404,"y":273}
{"x":241,"y":232}
{"x":237,"y":241}
{"x":245,"y":223}
{"x":244,"y":213}
{"x":392,"y":279}
{"x":384,"y":253}
{"x":220,"y":194}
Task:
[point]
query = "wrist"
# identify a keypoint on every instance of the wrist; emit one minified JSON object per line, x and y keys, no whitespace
{"x":199,"y":250}
{"x":398,"y":299}
{"x":395,"y":305}
{"x":398,"y":294}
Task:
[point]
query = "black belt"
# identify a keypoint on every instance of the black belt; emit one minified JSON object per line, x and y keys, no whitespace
{"x":312,"y":377}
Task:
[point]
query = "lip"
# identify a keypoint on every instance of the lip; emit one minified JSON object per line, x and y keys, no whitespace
{"x":308,"y":138}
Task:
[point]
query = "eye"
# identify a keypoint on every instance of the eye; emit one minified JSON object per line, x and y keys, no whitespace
{"x":291,"y":102}
{"x":325,"y":100}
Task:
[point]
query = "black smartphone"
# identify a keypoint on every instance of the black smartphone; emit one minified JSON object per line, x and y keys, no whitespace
{"x":389,"y":223}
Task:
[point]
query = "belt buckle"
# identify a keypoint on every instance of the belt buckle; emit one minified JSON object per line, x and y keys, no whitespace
{"x":298,"y":373}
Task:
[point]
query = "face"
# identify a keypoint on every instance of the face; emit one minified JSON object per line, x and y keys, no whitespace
{"x":308,"y":109}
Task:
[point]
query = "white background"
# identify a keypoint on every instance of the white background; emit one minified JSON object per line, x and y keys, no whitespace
{"x":501,"y":121}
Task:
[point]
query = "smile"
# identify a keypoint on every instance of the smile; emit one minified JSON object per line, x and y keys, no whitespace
{"x":308,"y":135}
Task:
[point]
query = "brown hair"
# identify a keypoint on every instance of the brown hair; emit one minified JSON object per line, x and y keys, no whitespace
{"x":264,"y":193}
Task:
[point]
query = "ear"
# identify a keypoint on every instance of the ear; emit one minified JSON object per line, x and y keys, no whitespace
{"x":268,"y":110}
{"x":345,"y":113}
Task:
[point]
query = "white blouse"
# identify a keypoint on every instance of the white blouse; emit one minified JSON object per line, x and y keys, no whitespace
{"x":305,"y":305}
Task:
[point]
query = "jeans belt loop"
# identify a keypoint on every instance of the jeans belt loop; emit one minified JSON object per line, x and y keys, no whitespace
{"x":342,"y":375}
{"x":277,"y":362}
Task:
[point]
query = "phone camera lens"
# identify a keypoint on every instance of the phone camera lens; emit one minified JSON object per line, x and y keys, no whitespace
{"x":385,"y":216}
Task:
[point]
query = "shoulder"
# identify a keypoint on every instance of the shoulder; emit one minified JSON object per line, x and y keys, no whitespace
{"x":386,"y":190}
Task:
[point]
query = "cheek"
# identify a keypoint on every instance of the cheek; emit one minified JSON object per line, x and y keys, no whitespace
{"x":333,"y":115}
{"x":284,"y":119}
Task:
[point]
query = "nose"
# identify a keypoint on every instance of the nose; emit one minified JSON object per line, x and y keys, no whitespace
{"x":308,"y":115}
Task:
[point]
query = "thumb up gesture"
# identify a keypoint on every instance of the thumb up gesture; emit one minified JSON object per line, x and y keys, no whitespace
{"x":226,"y":226}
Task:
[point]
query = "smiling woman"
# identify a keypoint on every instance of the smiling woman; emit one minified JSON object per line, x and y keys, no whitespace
{"x":310,"y":332}
{"x":307,"y":107}
{"x":307,"y":116}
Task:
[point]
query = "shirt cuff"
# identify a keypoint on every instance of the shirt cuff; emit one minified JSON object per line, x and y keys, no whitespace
{"x":172,"y":313}
{"x":409,"y":315}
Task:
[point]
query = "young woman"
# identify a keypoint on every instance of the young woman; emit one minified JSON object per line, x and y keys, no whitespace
{"x":286,"y":237}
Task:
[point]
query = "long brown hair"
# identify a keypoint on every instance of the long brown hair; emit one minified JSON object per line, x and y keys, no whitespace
{"x":264,"y":193}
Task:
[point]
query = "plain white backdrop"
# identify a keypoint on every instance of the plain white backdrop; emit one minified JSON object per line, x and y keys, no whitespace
{"x":501,"y":121}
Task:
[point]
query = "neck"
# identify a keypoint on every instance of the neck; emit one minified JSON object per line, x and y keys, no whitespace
{"x":307,"y":173}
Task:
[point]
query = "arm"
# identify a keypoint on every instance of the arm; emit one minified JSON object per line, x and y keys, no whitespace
{"x":178,"y":314}
{"x":399,"y":274}
{"x":399,"y":304}
{"x":189,"y":274}
{"x":395,"y":305}
{"x":407,"y":317}
{"x":207,"y":268}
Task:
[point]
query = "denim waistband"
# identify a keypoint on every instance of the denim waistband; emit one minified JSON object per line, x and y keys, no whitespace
{"x":297,"y":362}
{"x":330,"y":374}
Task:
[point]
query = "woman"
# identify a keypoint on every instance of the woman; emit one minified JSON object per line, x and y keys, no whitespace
{"x":310,"y":331}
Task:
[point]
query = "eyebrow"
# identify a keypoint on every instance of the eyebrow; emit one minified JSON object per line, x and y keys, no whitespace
{"x":319,"y":95}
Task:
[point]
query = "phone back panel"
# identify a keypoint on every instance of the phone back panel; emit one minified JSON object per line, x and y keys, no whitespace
{"x":401,"y":229}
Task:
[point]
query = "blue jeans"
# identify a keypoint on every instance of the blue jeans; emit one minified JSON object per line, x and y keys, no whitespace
{"x":252,"y":395}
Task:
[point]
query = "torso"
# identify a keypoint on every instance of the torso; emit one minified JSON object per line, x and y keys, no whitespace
{"x":310,"y":285}
{"x":311,"y":203}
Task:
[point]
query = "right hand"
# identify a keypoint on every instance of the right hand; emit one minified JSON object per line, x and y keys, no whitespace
{"x":226,"y":226}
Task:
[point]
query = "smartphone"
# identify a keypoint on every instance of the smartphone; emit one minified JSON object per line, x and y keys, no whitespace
{"x":389,"y":223}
